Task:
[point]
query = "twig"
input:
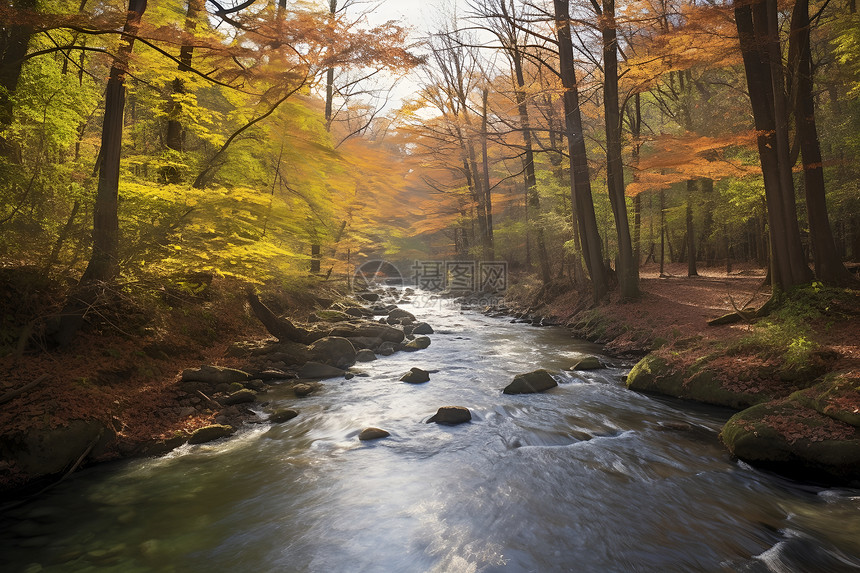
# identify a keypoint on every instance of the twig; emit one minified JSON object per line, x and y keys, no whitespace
{"x":14,"y":393}
{"x":210,"y":401}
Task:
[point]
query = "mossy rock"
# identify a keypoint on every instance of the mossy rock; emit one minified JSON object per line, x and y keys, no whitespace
{"x":837,"y":396}
{"x":281,"y":416}
{"x":654,"y":374}
{"x":787,"y":436}
{"x":243,"y":396}
{"x":699,"y":382}
{"x":210,"y":433}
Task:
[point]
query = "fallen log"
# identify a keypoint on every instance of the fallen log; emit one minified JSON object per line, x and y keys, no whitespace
{"x":280,"y":328}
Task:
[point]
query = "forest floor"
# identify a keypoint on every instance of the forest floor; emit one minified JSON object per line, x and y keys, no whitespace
{"x":125,"y":373}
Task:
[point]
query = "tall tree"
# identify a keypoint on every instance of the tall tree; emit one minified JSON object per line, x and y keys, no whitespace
{"x":14,"y":39}
{"x":103,"y":261}
{"x":829,"y":268}
{"x":758,"y":34}
{"x":580,"y":176}
{"x":627,"y":267}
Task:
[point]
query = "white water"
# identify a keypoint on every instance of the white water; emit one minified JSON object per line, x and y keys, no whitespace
{"x":586,"y":477}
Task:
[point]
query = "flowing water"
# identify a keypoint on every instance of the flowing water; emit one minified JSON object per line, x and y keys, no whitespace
{"x":587,"y":477}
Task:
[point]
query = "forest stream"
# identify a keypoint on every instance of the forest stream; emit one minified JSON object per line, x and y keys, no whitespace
{"x":586,"y":477}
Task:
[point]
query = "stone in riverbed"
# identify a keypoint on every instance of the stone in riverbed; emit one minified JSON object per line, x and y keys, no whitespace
{"x":422,"y":328}
{"x":333,"y":350}
{"x":416,"y":376}
{"x":451,"y":415}
{"x":281,"y":416}
{"x":365,"y":355}
{"x":214,"y":375}
{"x":387,"y":348}
{"x":243,"y":396}
{"x":210,"y":433}
{"x":399,"y":313}
{"x":312,"y":370}
{"x":588,"y":363}
{"x":420,"y":343}
{"x":531,"y":382}
{"x":372,"y":434}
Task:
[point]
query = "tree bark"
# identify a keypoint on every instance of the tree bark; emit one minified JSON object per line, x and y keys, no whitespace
{"x":829,"y":268}
{"x":628,"y":270}
{"x":691,"y":231}
{"x":173,"y":138}
{"x":103,"y":261}
{"x":489,"y":250}
{"x":580,"y":182}
{"x":759,"y":45}
{"x":14,"y":41}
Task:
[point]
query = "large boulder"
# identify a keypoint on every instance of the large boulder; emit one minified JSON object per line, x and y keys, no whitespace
{"x":329,"y":316}
{"x":416,"y":376}
{"x":788,"y":436}
{"x":214,"y":375}
{"x":334,"y":351}
{"x":317,"y":370}
{"x":451,"y":415}
{"x":531,"y":382}
{"x":369,"y":330}
{"x":387,"y":349}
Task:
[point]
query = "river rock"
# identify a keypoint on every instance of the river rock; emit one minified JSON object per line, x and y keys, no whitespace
{"x":368,"y":296}
{"x":281,"y":416}
{"x":420,"y":343}
{"x":372,"y":434}
{"x":316,"y":370}
{"x":531,"y":382}
{"x":368,"y":330}
{"x":214,"y":375}
{"x":333,"y":350}
{"x":399,"y":313}
{"x":416,"y":376}
{"x":365,"y":342}
{"x":387,"y":349}
{"x":451,"y":415}
{"x":304,"y":389}
{"x":210,"y":433}
{"x":365,"y":355}
{"x":422,"y":328}
{"x":242,"y":396}
{"x":588,"y":363}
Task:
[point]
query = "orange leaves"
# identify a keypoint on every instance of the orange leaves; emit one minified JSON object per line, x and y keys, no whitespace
{"x":670,"y":159}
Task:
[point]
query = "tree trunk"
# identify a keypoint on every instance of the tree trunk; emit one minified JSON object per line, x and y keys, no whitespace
{"x":532,"y":195}
{"x":489,"y":250}
{"x":829,"y":268}
{"x":759,"y":42}
{"x":173,"y":137}
{"x":14,"y":40}
{"x":627,"y":269}
{"x":690,"y":244}
{"x":103,"y":261}
{"x":580,"y":181}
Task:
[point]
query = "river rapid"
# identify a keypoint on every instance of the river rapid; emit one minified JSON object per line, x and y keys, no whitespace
{"x":587,"y":477}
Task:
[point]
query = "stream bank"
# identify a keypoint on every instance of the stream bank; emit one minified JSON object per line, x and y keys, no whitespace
{"x":793,"y":378}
